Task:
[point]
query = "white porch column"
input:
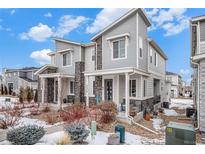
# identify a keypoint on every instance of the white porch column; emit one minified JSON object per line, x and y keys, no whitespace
{"x":59,"y":93}
{"x":43,"y":90}
{"x":87,"y":90}
{"x":127,"y":99}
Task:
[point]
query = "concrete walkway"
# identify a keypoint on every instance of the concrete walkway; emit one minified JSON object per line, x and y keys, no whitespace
{"x":49,"y":130}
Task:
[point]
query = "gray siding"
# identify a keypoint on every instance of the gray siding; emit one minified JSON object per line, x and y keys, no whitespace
{"x":75,"y":57}
{"x":202,"y":31}
{"x":161,"y":62}
{"x":142,"y":32}
{"x":126,"y":26}
{"x":202,"y":95}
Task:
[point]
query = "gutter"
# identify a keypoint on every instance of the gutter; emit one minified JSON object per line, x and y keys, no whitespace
{"x":198,"y":100}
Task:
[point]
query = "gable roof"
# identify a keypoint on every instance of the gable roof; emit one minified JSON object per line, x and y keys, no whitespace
{"x":25,"y":69}
{"x":44,"y":68}
{"x":73,"y":42}
{"x":172,"y":73}
{"x":157,"y":47}
{"x":128,"y":14}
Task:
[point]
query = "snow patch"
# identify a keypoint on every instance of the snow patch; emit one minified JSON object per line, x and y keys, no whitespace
{"x":170,"y":112}
{"x":157,"y":123}
{"x":181,"y":103}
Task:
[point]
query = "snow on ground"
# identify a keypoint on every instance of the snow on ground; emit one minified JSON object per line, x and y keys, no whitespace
{"x":100,"y":139}
{"x":181,"y":103}
{"x":157,"y":122}
{"x":170,"y":112}
{"x":3,"y":103}
{"x":28,"y":121}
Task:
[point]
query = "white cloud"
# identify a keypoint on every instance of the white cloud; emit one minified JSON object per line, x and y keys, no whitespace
{"x":104,"y":18}
{"x":173,"y":21}
{"x":67,"y":23}
{"x":152,"y":12}
{"x":12,"y":12}
{"x":42,"y":32}
{"x":41,"y":57}
{"x":185,"y":71}
{"x":48,"y":15}
{"x":38,"y":33}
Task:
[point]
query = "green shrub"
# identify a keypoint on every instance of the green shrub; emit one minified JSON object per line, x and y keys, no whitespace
{"x":77,"y":132}
{"x":26,"y":135}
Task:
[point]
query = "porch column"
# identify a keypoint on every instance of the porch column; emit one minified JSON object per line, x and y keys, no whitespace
{"x":127,"y":99}
{"x":87,"y":96}
{"x":43,"y":90}
{"x":59,"y":93}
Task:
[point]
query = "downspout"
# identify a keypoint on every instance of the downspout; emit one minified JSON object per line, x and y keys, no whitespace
{"x":198,"y":100}
{"x":198,"y":79}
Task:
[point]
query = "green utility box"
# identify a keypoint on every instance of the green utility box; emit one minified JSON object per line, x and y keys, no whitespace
{"x":121,"y":130}
{"x":180,"y":134}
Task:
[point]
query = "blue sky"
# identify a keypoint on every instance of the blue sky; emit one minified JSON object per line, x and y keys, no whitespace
{"x":25,"y":34}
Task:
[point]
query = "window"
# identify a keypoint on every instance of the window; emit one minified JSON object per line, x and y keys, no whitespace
{"x":155,"y":59}
{"x":150,"y":55}
{"x":72,"y":87}
{"x":93,"y":87}
{"x":119,"y":49}
{"x":132,"y":89}
{"x":93,"y":55}
{"x":67,"y":59}
{"x":53,"y":59}
{"x":144,"y":88}
{"x":140,"y":47}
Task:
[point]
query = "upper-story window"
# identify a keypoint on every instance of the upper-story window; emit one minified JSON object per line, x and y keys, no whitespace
{"x":140,"y":47}
{"x":93,"y":55}
{"x":53,"y":59}
{"x":67,"y":59}
{"x":119,"y":49}
{"x":144,"y":88}
{"x":150,"y":56}
{"x":155,"y":59}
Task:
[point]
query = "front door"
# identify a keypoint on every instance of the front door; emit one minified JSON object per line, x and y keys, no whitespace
{"x":108,"y":89}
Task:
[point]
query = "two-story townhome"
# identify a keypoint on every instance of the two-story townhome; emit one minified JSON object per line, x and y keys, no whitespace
{"x":64,"y":77}
{"x":16,"y":78}
{"x":122,"y":64}
{"x":129,"y":66}
{"x":197,"y":34}
{"x":176,"y":84}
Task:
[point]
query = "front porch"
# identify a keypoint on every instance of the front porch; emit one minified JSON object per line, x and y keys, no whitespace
{"x":131,"y":90}
{"x":56,"y":89}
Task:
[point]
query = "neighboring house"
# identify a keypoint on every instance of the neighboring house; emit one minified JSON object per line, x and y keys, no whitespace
{"x":176,"y":84}
{"x":1,"y":80}
{"x":16,"y":78}
{"x":122,"y":65}
{"x":197,"y":34}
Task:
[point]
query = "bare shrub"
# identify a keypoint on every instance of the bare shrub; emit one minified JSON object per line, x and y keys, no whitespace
{"x":46,"y":109}
{"x":52,"y":118}
{"x":109,"y":111}
{"x":9,"y":117}
{"x":74,"y":113}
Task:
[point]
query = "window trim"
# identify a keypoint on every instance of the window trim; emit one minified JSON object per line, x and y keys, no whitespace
{"x":144,"y":88}
{"x":72,"y":89}
{"x":150,"y":55}
{"x":130,"y":88}
{"x":140,"y":43}
{"x":155,"y":59}
{"x":71,"y":59}
{"x":126,"y":44}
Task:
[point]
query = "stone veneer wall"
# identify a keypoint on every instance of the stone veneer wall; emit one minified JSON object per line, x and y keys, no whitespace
{"x":50,"y":90}
{"x":47,"y":71}
{"x":98,"y":52}
{"x":98,"y":87}
{"x":79,"y":82}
